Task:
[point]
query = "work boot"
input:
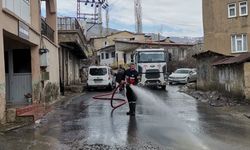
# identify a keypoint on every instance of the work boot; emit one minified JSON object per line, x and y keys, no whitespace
{"x":130,"y":108}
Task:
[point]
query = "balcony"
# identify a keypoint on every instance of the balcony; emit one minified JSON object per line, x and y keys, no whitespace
{"x":46,"y":30}
{"x":21,"y":8}
{"x":71,"y":33}
{"x":69,"y":23}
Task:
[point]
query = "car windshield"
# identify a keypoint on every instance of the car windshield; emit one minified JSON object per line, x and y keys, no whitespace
{"x":98,"y":71}
{"x":151,"y":57}
{"x":182,"y":71}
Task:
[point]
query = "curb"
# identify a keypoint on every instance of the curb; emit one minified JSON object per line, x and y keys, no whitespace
{"x":14,"y":127}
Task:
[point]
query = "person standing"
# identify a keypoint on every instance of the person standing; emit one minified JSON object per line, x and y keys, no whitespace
{"x":131,"y":79}
{"x":120,"y":77}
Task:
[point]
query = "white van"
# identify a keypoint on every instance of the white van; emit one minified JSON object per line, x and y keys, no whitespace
{"x":100,"y":77}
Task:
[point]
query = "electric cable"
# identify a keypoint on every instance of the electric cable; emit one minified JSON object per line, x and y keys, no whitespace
{"x":112,"y":98}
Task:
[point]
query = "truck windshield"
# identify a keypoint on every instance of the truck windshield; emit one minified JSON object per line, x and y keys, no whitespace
{"x":151,"y":57}
{"x":98,"y":71}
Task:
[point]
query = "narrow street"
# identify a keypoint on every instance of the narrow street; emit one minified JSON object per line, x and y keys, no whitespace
{"x":182,"y":123}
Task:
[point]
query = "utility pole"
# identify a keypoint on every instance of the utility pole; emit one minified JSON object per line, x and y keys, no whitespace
{"x":138,"y":16}
{"x":94,"y":18}
{"x":107,"y":19}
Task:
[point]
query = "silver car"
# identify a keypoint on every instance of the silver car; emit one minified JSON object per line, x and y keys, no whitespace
{"x":183,"y":75}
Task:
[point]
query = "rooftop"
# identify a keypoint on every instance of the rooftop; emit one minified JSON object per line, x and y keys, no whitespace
{"x":244,"y":57}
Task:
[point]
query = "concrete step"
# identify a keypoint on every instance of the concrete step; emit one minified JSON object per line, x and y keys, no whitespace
{"x":36,"y":111}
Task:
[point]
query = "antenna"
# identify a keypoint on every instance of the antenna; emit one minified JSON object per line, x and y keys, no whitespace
{"x":138,"y":16}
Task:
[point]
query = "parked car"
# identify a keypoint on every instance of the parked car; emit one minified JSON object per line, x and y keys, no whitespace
{"x":100,"y":77}
{"x":183,"y":75}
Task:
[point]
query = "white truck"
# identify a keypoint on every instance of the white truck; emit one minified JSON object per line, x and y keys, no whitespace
{"x":152,"y":66}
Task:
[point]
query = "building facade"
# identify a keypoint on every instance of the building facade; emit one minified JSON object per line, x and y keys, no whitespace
{"x":224,"y":65}
{"x":180,"y":54}
{"x":101,"y":42}
{"x":226,"y":26}
{"x":73,"y":49}
{"x":104,"y":46}
{"x":106,"y":56}
{"x":28,"y":53}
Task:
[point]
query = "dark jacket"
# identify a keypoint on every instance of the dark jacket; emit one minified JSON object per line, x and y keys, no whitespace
{"x":120,"y":75}
{"x":132,"y":73}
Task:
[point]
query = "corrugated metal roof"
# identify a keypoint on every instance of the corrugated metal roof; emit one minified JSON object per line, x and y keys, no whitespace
{"x":244,"y":57}
{"x":207,"y":53}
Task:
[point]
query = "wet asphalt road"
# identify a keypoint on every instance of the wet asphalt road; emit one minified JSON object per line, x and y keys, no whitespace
{"x":172,"y":120}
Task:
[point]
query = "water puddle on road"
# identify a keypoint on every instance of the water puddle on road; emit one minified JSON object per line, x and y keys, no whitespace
{"x":162,"y":123}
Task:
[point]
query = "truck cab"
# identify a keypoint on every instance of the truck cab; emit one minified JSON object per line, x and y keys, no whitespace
{"x":152,"y":67}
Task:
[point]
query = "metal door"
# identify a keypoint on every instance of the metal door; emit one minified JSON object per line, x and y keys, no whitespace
{"x":19,"y":76}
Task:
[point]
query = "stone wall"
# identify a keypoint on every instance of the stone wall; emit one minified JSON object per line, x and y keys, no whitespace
{"x":2,"y":103}
{"x":228,"y":79}
{"x":231,"y":79}
{"x":206,"y":73}
{"x":247,"y":80}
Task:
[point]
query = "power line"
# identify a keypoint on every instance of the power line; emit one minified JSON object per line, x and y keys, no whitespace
{"x":94,"y":18}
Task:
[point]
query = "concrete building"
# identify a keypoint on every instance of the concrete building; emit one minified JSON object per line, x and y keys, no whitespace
{"x":106,"y":56}
{"x":226,"y":26}
{"x":73,"y":49}
{"x":101,"y":42}
{"x":224,"y":64}
{"x":28,"y":54}
{"x":104,"y":46}
{"x":180,"y":53}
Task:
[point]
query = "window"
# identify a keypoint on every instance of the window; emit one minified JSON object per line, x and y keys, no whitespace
{"x":113,"y":54}
{"x":98,"y":71}
{"x":102,"y":55}
{"x":106,"y":43}
{"x":21,"y":8}
{"x":125,"y":58}
{"x":231,"y":10}
{"x":151,"y":57}
{"x":107,"y":55}
{"x":21,"y":61}
{"x":243,"y":8}
{"x":182,"y":54}
{"x":239,"y":43}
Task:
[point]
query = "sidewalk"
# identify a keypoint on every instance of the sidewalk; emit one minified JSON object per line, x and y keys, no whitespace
{"x":21,"y":122}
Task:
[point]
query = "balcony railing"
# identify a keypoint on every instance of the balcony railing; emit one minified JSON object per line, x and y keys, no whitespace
{"x":46,"y":30}
{"x":69,"y":23}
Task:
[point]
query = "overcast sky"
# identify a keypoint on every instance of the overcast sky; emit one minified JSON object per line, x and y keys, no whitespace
{"x":169,"y":17}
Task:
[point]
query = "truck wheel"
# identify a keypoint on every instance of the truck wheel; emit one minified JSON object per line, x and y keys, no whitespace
{"x":163,"y":87}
